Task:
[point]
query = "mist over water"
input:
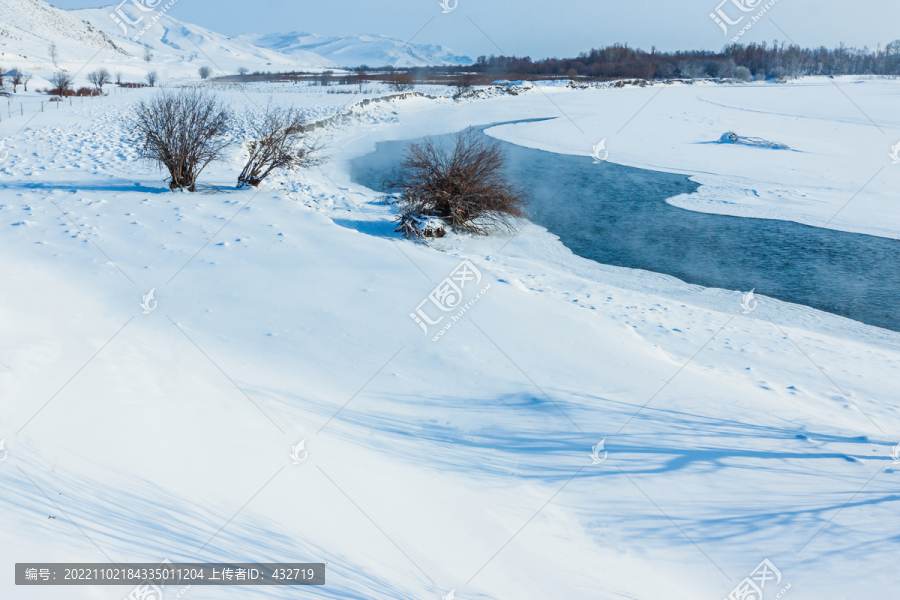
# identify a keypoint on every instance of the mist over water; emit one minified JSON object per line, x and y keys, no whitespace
{"x":618,"y":216}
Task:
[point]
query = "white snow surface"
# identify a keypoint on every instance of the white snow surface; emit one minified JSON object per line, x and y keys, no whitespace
{"x":283,"y":315}
{"x":353,"y":51}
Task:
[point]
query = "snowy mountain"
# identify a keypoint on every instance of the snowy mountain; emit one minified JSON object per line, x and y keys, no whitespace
{"x":193,"y":45}
{"x":353,"y":51}
{"x":114,"y":37}
{"x":28,"y":27}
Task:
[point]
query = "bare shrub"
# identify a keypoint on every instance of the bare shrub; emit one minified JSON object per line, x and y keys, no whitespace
{"x":99,"y":78}
{"x":182,"y":132}
{"x":401,"y":82}
{"x":279,"y":142}
{"x":204,"y":72}
{"x":152,"y":78}
{"x":61,"y":81}
{"x":743,"y":74}
{"x":464,"y":186}
{"x":463,"y":84}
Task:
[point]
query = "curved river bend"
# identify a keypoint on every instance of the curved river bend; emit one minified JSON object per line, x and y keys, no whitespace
{"x":618,"y":216}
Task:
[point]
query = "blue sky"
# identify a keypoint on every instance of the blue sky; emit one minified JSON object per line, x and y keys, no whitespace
{"x":542,"y":29}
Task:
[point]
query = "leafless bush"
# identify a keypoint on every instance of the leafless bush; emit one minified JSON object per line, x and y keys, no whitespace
{"x":204,"y":72}
{"x":401,"y":82}
{"x":61,"y":81}
{"x":99,"y":78}
{"x":743,"y":74}
{"x":463,"y":84}
{"x":152,"y":78}
{"x":464,"y":186}
{"x":182,"y":132}
{"x":279,"y":142}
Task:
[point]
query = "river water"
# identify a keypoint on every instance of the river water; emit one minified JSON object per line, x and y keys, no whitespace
{"x":618,"y":216}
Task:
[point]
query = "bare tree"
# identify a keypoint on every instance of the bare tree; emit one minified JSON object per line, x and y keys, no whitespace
{"x":464,"y":186}
{"x":118,"y":77}
{"x":99,"y":78}
{"x":26,"y":77}
{"x":242,"y":71}
{"x":152,"y":78}
{"x":279,"y":142}
{"x":61,"y":81}
{"x":361,"y":80}
{"x":205,"y":72}
{"x":17,"y":78}
{"x":148,"y":53}
{"x":54,"y":53}
{"x":182,"y":132}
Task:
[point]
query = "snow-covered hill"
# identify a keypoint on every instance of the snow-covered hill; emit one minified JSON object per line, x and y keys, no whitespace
{"x":38,"y":24}
{"x":353,"y":51}
{"x":194,"y":46}
{"x":91,"y":38}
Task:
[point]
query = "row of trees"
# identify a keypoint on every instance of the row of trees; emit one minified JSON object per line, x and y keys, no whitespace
{"x":62,"y":81}
{"x":15,"y":78}
{"x":183,"y":132}
{"x":778,"y":60}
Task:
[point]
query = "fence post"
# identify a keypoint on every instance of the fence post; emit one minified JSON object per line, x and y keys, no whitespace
{"x":21,"y":110}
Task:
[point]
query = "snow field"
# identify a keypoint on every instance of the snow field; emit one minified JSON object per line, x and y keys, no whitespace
{"x":458,"y":464}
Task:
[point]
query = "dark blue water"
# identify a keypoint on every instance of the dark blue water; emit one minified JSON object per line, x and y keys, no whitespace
{"x":618,"y":216}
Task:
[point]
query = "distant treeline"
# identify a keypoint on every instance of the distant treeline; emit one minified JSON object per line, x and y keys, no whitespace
{"x":763,"y":61}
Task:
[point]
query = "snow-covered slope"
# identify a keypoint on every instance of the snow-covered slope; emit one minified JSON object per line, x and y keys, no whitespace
{"x":90,"y":38}
{"x":353,"y":51}
{"x":29,"y":27}
{"x":194,"y":46}
{"x":283,"y":314}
